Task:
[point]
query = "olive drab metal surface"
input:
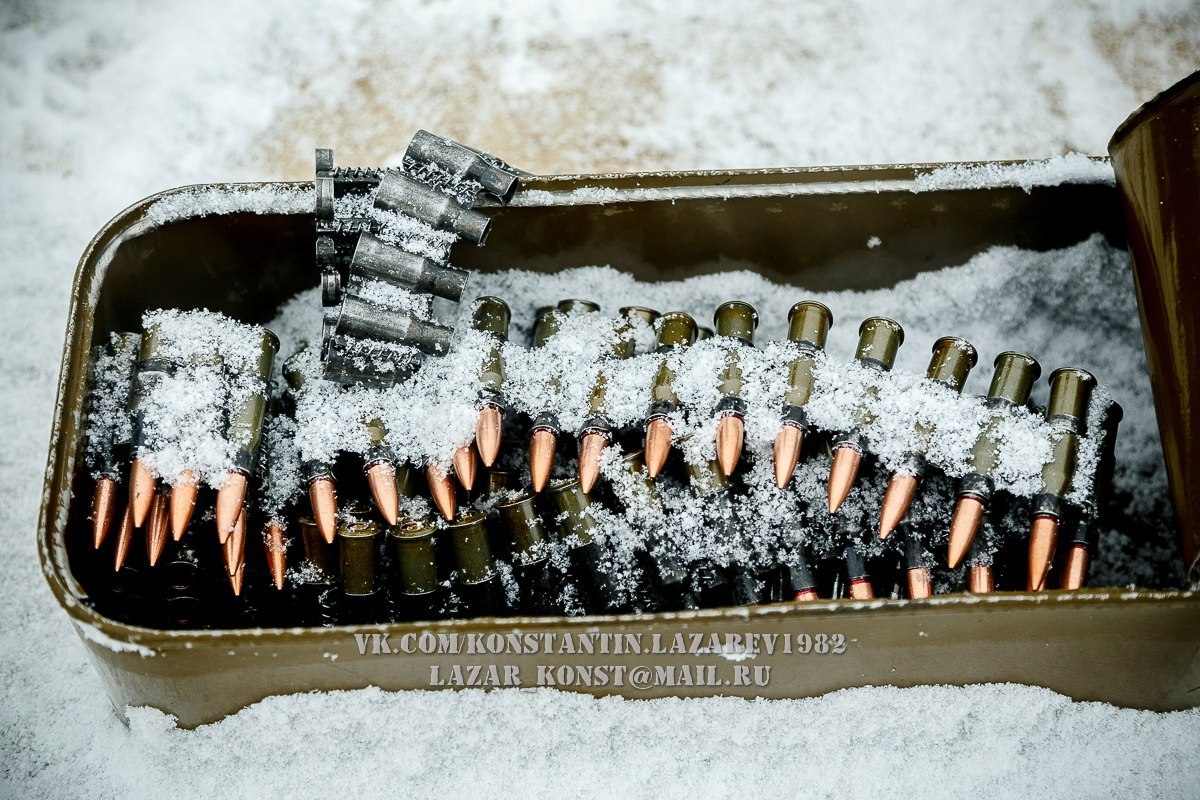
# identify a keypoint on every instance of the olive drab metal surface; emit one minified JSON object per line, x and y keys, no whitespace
{"x":1156,"y":156}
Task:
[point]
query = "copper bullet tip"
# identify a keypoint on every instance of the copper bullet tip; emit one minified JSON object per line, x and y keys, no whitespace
{"x":464,"y":466}
{"x":899,"y":496}
{"x":381,"y":477}
{"x":124,"y":537}
{"x":860,"y":589}
{"x":442,"y":489}
{"x":541,"y":457}
{"x":589,"y":460}
{"x":920,"y":583}
{"x":235,"y":580}
{"x":1043,"y":540}
{"x":230,"y":498}
{"x":658,"y":445}
{"x":968,"y":513}
{"x":235,"y":545}
{"x":730,"y":430}
{"x":787,"y":453}
{"x":806,"y":595}
{"x":980,"y":579}
{"x":141,"y":491}
{"x":156,"y":528}
{"x":183,"y":502}
{"x":842,"y":473}
{"x":1075,"y":568}
{"x":104,"y":500}
{"x":489,"y":431}
{"x":322,"y":495}
{"x":276,"y":551}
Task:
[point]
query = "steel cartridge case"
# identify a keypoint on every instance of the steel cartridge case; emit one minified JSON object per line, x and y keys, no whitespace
{"x":375,"y":259}
{"x":463,"y":162}
{"x":246,"y":422}
{"x":360,"y":317}
{"x":400,"y":193}
{"x":809,"y":324}
{"x":1070,"y":394}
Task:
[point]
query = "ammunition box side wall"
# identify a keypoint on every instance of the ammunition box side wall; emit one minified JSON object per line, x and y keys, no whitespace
{"x":1156,"y":158}
{"x":1064,"y":643}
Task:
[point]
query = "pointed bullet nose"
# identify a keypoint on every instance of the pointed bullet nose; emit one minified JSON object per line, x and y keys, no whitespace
{"x":235,"y":580}
{"x":322,"y":496}
{"x":141,"y":491}
{"x":896,"y":500}
{"x":235,"y":545}
{"x":541,"y":457}
{"x":658,"y":445}
{"x":183,"y":503}
{"x":276,"y":552}
{"x":124,"y":537}
{"x":442,"y":489}
{"x":842,"y":474}
{"x":104,"y":506}
{"x":589,"y":460}
{"x":381,"y":479}
{"x":730,"y":430}
{"x":788,"y":442}
{"x":230,"y":498}
{"x":489,"y":432}
{"x":1043,"y":540}
{"x":464,"y":466}
{"x":968,"y":513}
{"x":156,"y":528}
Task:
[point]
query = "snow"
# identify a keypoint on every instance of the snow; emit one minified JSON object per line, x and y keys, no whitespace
{"x":215,"y":369}
{"x":1069,"y":168}
{"x":200,"y":201}
{"x":108,"y":102}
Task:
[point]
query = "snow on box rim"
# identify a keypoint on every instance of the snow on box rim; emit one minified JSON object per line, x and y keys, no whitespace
{"x":1053,"y":171}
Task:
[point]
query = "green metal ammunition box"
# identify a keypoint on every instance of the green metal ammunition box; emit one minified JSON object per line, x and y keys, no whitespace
{"x":800,"y":226}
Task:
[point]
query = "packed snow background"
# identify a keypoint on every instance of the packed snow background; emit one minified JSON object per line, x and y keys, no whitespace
{"x":107,"y":102}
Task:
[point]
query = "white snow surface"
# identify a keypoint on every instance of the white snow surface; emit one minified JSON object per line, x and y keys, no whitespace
{"x":107,"y":102}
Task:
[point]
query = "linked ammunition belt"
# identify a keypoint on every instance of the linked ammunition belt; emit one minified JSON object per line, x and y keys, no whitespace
{"x":378,"y":229}
{"x":378,"y":530}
